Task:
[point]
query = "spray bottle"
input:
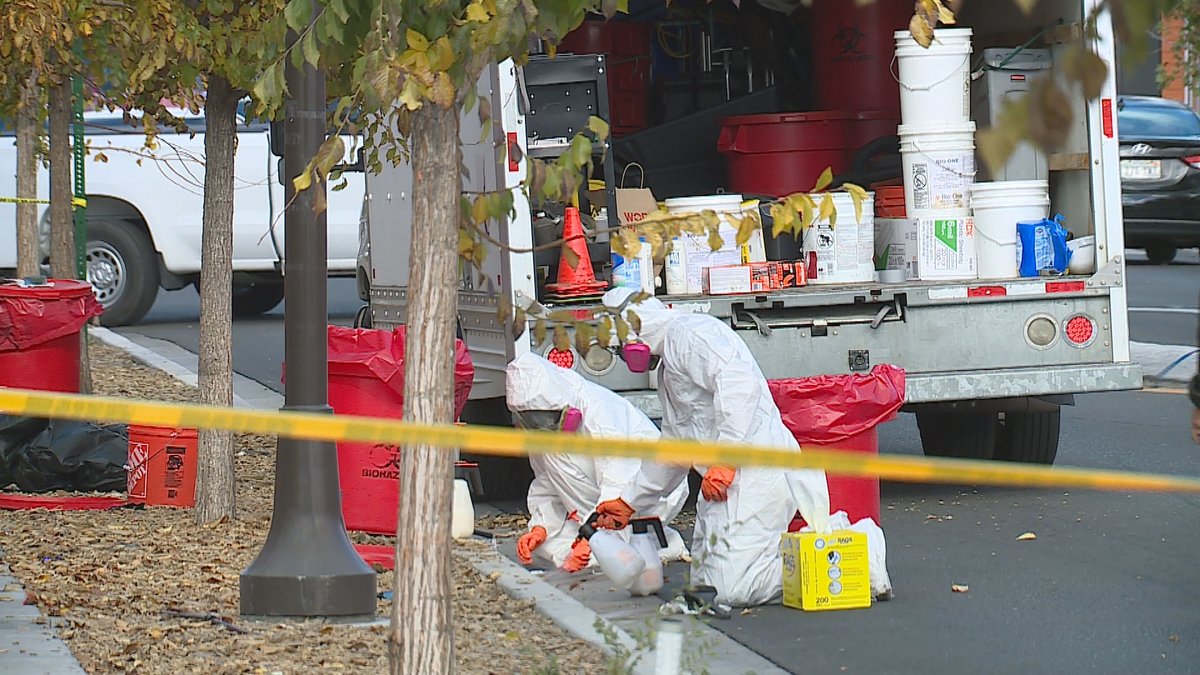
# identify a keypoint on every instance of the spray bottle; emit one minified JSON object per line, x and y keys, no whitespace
{"x":617,"y":559}
{"x":650,"y":581}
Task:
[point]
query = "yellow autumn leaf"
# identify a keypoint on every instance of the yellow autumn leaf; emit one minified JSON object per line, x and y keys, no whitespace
{"x":477,"y":12}
{"x":825,"y":179}
{"x":416,"y":40}
{"x":858,"y":195}
{"x":921,"y":31}
{"x":827,"y":213}
{"x":303,"y":181}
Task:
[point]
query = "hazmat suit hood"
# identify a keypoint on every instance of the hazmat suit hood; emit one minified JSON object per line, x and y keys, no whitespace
{"x":533,"y":383}
{"x":652,"y":313}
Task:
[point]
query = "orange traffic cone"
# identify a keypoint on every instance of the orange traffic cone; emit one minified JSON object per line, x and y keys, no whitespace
{"x":578,"y":281}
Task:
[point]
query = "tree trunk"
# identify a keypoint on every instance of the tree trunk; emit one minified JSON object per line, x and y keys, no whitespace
{"x":215,"y":478}
{"x":63,"y":259}
{"x":29,"y":258}
{"x":422,"y":639}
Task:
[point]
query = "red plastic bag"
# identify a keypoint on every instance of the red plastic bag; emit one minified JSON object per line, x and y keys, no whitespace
{"x":35,"y":315}
{"x":831,"y":408}
{"x":382,"y":354}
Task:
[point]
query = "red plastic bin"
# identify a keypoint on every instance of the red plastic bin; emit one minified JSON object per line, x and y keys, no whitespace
{"x":366,"y":377}
{"x":39,"y":333}
{"x":782,"y":153}
{"x":841,"y":413}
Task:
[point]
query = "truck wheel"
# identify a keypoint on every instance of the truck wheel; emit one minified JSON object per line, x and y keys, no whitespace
{"x":1161,"y":254}
{"x":1030,"y":437}
{"x":122,"y":268}
{"x":256,"y":298}
{"x":965,"y":435}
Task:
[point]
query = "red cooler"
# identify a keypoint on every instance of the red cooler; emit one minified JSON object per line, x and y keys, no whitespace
{"x":39,"y":333}
{"x":366,"y":377}
{"x":841,"y":413}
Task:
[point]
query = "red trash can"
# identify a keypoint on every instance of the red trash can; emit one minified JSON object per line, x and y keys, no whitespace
{"x":366,"y":377}
{"x":841,"y":413}
{"x":39,"y":333}
{"x":853,"y":48}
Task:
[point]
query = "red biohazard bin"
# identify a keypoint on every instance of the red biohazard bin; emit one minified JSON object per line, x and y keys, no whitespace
{"x":366,"y":377}
{"x":39,"y":333}
{"x":841,"y":413}
{"x":853,"y":46}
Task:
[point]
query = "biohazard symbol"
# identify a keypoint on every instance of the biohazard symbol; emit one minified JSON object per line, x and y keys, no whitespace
{"x":850,"y":39}
{"x":385,"y":456}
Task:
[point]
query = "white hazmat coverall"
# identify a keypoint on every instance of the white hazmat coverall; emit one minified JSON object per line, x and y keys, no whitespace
{"x":712,"y":389}
{"x":563,"y":484}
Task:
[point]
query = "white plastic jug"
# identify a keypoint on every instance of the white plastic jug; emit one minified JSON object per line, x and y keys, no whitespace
{"x":616,"y":558}
{"x":462,"y":518}
{"x":648,"y":538}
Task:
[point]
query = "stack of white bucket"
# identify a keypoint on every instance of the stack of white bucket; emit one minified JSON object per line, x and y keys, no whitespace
{"x":937,"y":144}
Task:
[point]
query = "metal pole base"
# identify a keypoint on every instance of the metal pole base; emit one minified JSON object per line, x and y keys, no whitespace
{"x":308,"y":566}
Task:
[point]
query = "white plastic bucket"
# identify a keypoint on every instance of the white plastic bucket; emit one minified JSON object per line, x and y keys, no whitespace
{"x":998,"y":207}
{"x":935,"y":82}
{"x":845,"y":252}
{"x":939,"y":167}
{"x":691,"y":254}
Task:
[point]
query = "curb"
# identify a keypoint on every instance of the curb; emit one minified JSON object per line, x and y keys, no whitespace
{"x":1165,"y":364}
{"x":28,"y":647}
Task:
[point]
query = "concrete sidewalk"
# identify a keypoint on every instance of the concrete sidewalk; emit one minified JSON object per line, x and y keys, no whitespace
{"x":29,"y":644}
{"x":1164,"y":364}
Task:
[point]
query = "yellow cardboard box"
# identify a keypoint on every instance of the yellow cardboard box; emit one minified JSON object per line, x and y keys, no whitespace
{"x":825,"y":571}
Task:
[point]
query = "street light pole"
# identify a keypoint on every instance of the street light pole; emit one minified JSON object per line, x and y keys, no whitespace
{"x":307,"y":566}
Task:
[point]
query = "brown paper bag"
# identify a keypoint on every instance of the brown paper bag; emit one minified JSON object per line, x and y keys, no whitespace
{"x":634,"y":203}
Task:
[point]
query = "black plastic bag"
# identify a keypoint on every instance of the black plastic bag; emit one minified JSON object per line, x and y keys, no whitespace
{"x":40,"y":455}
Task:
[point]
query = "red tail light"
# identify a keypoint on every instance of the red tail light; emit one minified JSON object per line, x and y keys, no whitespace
{"x":1193,"y":161}
{"x":1080,"y":330}
{"x":560,"y":358}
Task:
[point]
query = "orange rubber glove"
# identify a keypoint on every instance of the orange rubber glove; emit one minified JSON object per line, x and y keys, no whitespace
{"x":581,"y":553}
{"x":614,"y":514}
{"x":715,"y":486}
{"x":529,"y":541}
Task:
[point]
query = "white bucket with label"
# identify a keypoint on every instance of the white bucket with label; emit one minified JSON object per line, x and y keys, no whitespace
{"x":939,"y":167}
{"x":845,"y":252}
{"x":998,"y":207}
{"x":691,"y":254}
{"x":935,"y":81}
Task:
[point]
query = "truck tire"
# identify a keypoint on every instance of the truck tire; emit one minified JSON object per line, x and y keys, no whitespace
{"x":256,"y":298}
{"x":1161,"y":254}
{"x":1030,"y":437}
{"x":123,"y":270}
{"x":965,"y":435}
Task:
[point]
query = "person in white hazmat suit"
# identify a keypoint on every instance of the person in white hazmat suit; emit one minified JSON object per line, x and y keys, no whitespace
{"x":567,"y":488}
{"x":712,"y":389}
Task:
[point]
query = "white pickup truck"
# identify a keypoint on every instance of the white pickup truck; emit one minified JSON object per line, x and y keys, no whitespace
{"x":144,"y":218}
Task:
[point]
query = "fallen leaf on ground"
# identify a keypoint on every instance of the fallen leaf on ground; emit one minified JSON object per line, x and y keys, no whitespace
{"x":960,"y":588}
{"x":1027,"y":536}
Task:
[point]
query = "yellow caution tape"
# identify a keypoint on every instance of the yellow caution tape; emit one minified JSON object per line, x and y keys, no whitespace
{"x":75,"y":201}
{"x":512,"y":442}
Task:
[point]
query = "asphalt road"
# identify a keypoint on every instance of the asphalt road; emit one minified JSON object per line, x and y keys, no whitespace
{"x":1163,"y":298}
{"x":1110,"y":585}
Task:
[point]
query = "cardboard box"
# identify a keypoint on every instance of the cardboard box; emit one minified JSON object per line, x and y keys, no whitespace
{"x":927,"y":248}
{"x":825,"y":571}
{"x":753,"y":278}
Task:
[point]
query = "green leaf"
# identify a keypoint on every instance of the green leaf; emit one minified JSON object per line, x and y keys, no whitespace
{"x":297,"y":14}
{"x":308,"y":45}
{"x":339,"y":8}
{"x":598,"y":127}
{"x":825,"y":179}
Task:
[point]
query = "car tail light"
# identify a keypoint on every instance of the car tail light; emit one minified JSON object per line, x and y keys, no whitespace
{"x":1041,"y":331}
{"x":561,"y":358}
{"x":1192,"y":161}
{"x":1080,"y":330}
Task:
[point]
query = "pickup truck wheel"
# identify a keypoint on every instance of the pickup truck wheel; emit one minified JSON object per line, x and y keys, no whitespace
{"x":1161,"y":255}
{"x":256,"y":298}
{"x":965,"y":435}
{"x":1030,"y":437}
{"x":122,"y":269}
